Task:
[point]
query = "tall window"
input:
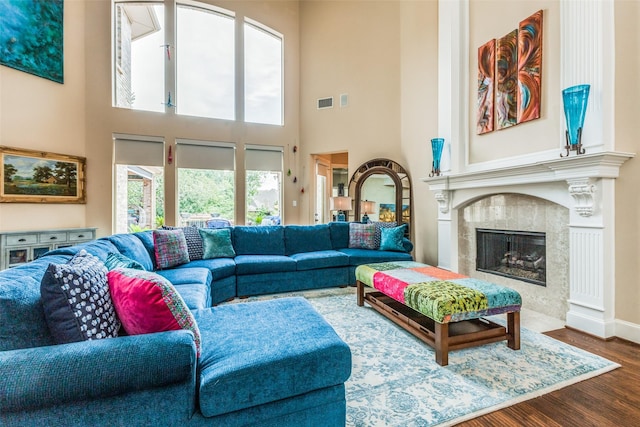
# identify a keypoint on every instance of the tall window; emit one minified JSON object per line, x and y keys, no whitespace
{"x":206,"y":51}
{"x":263,"y":166}
{"x":206,"y":183}
{"x":139,"y":62}
{"x":206,"y":63}
{"x":262,"y":75}
{"x":138,"y":183}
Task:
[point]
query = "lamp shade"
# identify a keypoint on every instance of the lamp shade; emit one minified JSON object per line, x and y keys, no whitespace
{"x":367,"y":206}
{"x":340,"y":203}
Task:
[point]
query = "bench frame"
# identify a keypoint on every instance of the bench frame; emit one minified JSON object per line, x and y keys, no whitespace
{"x":443,"y":337}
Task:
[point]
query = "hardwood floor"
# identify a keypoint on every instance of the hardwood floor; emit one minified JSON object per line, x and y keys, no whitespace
{"x":611,"y":399}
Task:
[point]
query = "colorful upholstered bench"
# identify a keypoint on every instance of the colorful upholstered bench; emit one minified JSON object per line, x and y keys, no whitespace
{"x":442,"y":308}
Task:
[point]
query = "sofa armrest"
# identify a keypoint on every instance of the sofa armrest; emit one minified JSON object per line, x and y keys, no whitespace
{"x":45,"y":376}
{"x":407,"y":244}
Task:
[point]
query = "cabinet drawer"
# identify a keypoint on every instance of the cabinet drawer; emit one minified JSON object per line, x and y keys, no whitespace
{"x":22,"y":239}
{"x":53,"y":237}
{"x":76,"y":236}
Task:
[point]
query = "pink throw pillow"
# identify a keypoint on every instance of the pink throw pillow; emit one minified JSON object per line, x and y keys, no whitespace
{"x":147,"y":302}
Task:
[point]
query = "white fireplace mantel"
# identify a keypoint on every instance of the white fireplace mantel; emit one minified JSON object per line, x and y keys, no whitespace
{"x":585,"y":184}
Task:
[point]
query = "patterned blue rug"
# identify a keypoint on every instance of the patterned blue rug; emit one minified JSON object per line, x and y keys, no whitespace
{"x":396,"y":382}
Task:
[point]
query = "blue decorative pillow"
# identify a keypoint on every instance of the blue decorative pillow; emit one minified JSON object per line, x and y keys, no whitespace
{"x":379,"y":226}
{"x":362,"y":235}
{"x":170,"y":248}
{"x":391,"y":238}
{"x":115,"y":260}
{"x":217,"y":243}
{"x":76,"y":300}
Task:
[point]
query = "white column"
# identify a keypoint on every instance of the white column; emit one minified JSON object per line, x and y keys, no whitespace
{"x":453,"y":85}
{"x":591,"y":260}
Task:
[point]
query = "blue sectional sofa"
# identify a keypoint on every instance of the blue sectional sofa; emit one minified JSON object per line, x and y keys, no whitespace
{"x":269,"y":363}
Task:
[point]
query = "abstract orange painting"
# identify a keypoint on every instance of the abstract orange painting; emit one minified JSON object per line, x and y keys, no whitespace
{"x":507,"y":80}
{"x":486,"y":82}
{"x":529,"y":67}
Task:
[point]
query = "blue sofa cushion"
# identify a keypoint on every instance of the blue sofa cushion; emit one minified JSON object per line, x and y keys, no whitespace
{"x":219,"y":267}
{"x":307,"y":238}
{"x":320,"y":259}
{"x":256,"y":264}
{"x":195,"y":295}
{"x":132,"y":247}
{"x":339,"y":234}
{"x":100,"y":248}
{"x":76,"y":300}
{"x":267,"y":240}
{"x":21,"y":315}
{"x":181,"y":276}
{"x":281,"y":348}
{"x":368,"y":256}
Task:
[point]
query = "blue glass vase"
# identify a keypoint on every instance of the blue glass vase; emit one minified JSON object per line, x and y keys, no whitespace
{"x":575,"y":108}
{"x":436,"y":149}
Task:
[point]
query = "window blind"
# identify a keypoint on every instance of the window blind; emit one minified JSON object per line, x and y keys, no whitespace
{"x":263,"y":157}
{"x":194,"y":154}
{"x":140,"y":152}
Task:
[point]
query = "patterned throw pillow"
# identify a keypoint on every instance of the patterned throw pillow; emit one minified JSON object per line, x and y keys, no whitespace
{"x":170,"y":248}
{"x":217,"y":243}
{"x":115,"y":260}
{"x":147,"y":302}
{"x":391,"y":239}
{"x":194,"y":241}
{"x":379,"y":226}
{"x":362,"y":236}
{"x":76,"y":300}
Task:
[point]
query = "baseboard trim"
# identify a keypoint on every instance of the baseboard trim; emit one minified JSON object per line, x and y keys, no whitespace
{"x":628,"y":331}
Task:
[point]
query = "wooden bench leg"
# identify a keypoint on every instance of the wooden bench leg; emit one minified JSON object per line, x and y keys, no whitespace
{"x":442,"y":343}
{"x":360,"y":293}
{"x":513,"y":330}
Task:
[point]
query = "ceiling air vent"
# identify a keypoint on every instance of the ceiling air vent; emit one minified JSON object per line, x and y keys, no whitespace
{"x":325,"y":103}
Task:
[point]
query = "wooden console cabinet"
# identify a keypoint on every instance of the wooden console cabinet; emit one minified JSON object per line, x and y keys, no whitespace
{"x":19,"y":247}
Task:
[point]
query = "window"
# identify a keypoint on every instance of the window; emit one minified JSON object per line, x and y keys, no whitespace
{"x":139,"y":62}
{"x":263,"y":166}
{"x":262,"y":75}
{"x":205,"y":63}
{"x":206,"y":183}
{"x":210,"y":57}
{"x":138,"y":183}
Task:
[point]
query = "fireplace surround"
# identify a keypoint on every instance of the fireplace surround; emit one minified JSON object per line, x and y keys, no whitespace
{"x":583,"y":185}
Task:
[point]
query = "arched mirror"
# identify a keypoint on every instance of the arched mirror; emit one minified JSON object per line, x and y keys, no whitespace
{"x":381,"y":189}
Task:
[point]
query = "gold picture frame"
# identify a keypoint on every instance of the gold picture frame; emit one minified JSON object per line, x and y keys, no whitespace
{"x":31,"y":176}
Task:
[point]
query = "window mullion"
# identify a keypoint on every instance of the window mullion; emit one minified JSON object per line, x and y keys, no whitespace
{"x":170,"y":56}
{"x":239,"y":73}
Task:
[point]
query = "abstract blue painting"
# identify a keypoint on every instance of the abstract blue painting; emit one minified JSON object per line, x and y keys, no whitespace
{"x":31,"y":37}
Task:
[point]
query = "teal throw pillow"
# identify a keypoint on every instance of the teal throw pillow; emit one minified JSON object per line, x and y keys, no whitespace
{"x":391,"y":238}
{"x":117,"y":260}
{"x":217,"y":243}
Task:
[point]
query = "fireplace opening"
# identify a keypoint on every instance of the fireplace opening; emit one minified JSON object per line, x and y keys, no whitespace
{"x":519,"y":255}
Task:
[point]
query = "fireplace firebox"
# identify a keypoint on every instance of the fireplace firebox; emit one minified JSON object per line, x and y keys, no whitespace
{"x":518,"y":255}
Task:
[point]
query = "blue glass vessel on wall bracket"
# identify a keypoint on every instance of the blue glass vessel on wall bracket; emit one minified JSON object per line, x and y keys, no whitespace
{"x":575,"y":100}
{"x":436,"y":148}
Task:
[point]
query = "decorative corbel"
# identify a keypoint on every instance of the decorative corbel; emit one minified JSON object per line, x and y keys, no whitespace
{"x":442,"y":197}
{"x":583,"y":192}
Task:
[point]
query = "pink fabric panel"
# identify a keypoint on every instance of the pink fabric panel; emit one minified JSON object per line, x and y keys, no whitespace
{"x":390,"y":286}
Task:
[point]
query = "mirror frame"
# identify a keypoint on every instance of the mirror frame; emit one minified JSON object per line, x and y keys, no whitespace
{"x":398,"y":175}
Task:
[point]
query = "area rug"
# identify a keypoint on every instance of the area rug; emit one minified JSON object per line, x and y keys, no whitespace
{"x":395,"y":380}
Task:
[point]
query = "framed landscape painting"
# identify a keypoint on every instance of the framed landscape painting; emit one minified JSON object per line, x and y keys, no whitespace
{"x":30,"y":176}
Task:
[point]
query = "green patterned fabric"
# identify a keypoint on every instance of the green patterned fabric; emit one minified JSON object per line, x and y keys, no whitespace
{"x":438,"y":300}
